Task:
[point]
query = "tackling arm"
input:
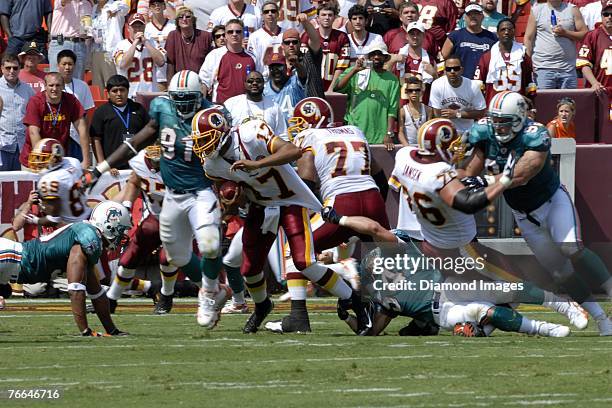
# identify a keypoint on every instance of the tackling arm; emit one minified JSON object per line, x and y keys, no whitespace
{"x":469,"y":200}
{"x":282,"y":153}
{"x":528,"y":166}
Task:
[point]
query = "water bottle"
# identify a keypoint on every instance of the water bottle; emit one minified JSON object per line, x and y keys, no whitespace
{"x":553,"y":18}
{"x":246,"y":32}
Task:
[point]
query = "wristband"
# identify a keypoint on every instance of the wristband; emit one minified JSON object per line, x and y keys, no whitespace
{"x":343,"y":220}
{"x":490,"y":179}
{"x":101,"y":168}
{"x":505,"y":181}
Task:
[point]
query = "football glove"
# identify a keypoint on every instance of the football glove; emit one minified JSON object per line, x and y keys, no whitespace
{"x":468,"y":329}
{"x":89,"y":179}
{"x":474,"y":182}
{"x":508,"y":173}
{"x":330,"y":215}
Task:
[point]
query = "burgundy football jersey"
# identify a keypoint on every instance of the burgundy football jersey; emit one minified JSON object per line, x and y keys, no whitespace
{"x":395,"y":39}
{"x":596,"y":52}
{"x":438,"y":17}
{"x":336,"y":54}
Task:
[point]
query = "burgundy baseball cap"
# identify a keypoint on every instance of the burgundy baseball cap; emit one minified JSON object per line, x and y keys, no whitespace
{"x":137,"y":18}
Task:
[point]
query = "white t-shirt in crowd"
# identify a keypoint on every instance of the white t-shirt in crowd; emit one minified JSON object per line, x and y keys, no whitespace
{"x":243,"y":110}
{"x":466,"y":97}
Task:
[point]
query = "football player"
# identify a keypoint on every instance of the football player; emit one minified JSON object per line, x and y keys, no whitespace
{"x":541,"y":206}
{"x":190,"y":206}
{"x":146,"y":181}
{"x":339,"y":159}
{"x":59,"y":188}
{"x":75,"y":248}
{"x":254,"y":157}
{"x":444,"y":208}
{"x":431,"y":310}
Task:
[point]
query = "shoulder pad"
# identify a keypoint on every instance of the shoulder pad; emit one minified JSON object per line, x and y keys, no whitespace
{"x":536,"y":135}
{"x":480,"y":132}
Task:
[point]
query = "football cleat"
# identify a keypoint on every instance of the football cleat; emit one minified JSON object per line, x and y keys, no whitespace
{"x":210,"y":305}
{"x":235,"y":308}
{"x":552,"y":330}
{"x":468,"y":329}
{"x":290,"y":324}
{"x":118,"y":333}
{"x":258,"y":316}
{"x":577,"y":316}
{"x":605,"y":327}
{"x":163,"y":305}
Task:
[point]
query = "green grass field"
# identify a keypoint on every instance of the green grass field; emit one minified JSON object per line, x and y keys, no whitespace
{"x":170,"y":361}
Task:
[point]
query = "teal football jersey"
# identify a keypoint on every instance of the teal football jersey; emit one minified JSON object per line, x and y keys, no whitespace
{"x":180,"y":168}
{"x":534,"y":136}
{"x":43,"y":255}
{"x":417,"y":303}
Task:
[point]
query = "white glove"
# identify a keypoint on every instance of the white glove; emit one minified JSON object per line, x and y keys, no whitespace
{"x":508,"y":173}
{"x":31,"y":219}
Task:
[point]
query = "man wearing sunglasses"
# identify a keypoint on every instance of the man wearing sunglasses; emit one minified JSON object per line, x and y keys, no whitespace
{"x":225,"y":69}
{"x":247,"y":12}
{"x":597,"y":48}
{"x":269,"y":35}
{"x":456,"y":97}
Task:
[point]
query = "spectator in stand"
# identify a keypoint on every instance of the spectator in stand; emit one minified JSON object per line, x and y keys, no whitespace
{"x":116,"y":121}
{"x":289,"y":10}
{"x":242,"y":10}
{"x":456,"y":97}
{"x":187,"y":46}
{"x":471,"y":42}
{"x":66,"y":61}
{"x":340,"y":23}
{"x":21,"y":20}
{"x":438,"y":17}
{"x":225,"y":69}
{"x":563,"y":125}
{"x":49,"y":115}
{"x":360,"y":39}
{"x":253,"y":104}
{"x":414,"y":113}
{"x":491,"y":16}
{"x":67,"y":34}
{"x":267,"y":36}
{"x":591,"y":13}
{"x":30,"y":57}
{"x":15,"y":94}
{"x":553,"y":48}
{"x":136,"y":57}
{"x":218,"y":34}
{"x":506,"y":67}
{"x":373,"y":97}
{"x":398,"y":37}
{"x":108,"y":20}
{"x":308,"y":58}
{"x":157,"y":31}
{"x":595,"y":56}
{"x":384,"y":15}
{"x":335,"y":45}
{"x":285,"y":90}
{"x":413,"y":60}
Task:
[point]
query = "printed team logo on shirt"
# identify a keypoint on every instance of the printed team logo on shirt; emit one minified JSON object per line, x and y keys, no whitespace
{"x":50,"y":118}
{"x":238,"y":66}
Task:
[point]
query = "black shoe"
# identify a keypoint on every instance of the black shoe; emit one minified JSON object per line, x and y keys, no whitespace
{"x":363,"y":312}
{"x":163,"y":305}
{"x":112,"y":303}
{"x":118,"y":333}
{"x":290,"y":324}
{"x":153,"y":291}
{"x":262,"y":310}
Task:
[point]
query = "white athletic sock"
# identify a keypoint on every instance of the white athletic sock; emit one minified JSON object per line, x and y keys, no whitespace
{"x":594,"y":309}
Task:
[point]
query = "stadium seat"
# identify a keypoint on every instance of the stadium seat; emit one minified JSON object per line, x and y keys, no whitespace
{"x":43,"y":67}
{"x":88,"y":77}
{"x":95,"y":92}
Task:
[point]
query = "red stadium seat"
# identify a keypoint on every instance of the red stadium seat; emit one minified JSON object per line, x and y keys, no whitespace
{"x":88,"y":77}
{"x":95,"y":92}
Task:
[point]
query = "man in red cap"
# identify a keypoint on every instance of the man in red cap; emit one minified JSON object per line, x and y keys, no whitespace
{"x":595,"y":50}
{"x":136,"y":56}
{"x":310,"y":61}
{"x":30,"y":57}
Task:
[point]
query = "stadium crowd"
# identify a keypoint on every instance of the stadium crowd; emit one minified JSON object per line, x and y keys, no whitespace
{"x":240,"y":93}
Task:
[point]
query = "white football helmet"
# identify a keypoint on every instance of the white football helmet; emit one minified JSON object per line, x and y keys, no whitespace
{"x":113,"y":221}
{"x":508,"y":114}
{"x":184,"y":90}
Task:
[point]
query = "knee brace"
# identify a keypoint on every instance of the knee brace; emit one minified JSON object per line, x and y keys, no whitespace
{"x":209,"y":239}
{"x":96,"y":295}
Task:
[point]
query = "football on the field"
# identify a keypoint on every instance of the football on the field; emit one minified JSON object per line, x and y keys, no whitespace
{"x":229,"y":190}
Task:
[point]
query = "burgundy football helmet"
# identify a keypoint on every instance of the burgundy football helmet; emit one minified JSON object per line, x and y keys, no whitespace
{"x":47,"y":154}
{"x":439,"y":137}
{"x":310,"y":113}
{"x":208,"y":129}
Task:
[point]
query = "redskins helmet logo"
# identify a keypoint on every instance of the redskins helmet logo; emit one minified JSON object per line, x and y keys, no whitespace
{"x":216,"y":120}
{"x":309,"y":109}
{"x":445,"y":134}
